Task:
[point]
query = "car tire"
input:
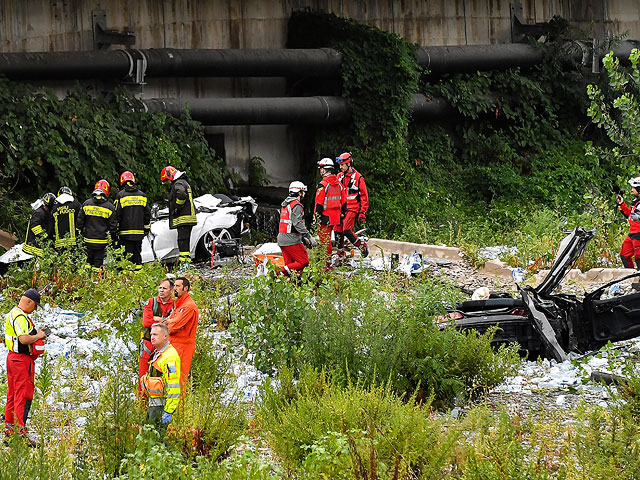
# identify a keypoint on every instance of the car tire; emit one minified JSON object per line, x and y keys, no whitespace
{"x":203,"y":250}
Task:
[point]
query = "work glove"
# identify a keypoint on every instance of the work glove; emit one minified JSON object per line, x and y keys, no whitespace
{"x":166,"y":418}
{"x":635,"y":217}
{"x":362,"y":217}
{"x":309,"y":241}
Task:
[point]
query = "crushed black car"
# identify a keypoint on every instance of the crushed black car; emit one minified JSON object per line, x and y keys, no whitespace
{"x":555,"y":325}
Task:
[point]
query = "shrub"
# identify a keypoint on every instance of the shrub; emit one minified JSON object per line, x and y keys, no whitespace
{"x":320,"y":427}
{"x":369,"y":332}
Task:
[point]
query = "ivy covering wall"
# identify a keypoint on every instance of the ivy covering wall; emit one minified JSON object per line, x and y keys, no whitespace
{"x":47,"y":142}
{"x":515,"y":144}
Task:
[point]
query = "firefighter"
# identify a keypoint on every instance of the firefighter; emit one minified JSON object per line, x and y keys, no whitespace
{"x":183,"y":324}
{"x":65,"y":218}
{"x":331,"y":203}
{"x":292,"y":231}
{"x":631,"y":244}
{"x":162,"y":381}
{"x":182,"y":212}
{"x":156,"y":310}
{"x":133,"y":216}
{"x":40,"y":226}
{"x":25,"y":344}
{"x":357,"y":201}
{"x":96,"y":219}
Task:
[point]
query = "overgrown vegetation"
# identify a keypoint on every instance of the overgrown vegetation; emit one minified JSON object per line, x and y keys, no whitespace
{"x":47,"y":142}
{"x":371,"y":332}
{"x":513,"y":151}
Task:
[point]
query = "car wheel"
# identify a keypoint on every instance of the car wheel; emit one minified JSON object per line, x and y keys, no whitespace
{"x":209,"y":238}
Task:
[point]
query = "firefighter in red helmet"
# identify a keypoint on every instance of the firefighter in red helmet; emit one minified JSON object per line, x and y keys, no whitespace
{"x":357,"y":201}
{"x":96,"y":220}
{"x":182,"y":211}
{"x":133,"y":216}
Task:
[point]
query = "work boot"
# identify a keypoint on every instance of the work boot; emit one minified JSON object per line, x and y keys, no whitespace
{"x":364,"y":249}
{"x":626,"y":262}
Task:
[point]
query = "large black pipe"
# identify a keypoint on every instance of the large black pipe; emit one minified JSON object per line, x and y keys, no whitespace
{"x":324,"y":62}
{"x":284,"y":110}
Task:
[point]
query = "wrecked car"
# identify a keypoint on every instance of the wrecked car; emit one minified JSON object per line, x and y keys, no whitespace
{"x":551,"y":324}
{"x":222,"y":221}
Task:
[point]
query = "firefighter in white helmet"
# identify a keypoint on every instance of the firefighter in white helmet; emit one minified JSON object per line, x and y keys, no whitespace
{"x":331,"y":204}
{"x":631,"y":245}
{"x":292,"y":232}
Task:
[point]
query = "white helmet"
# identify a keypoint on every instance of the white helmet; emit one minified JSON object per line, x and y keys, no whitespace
{"x":326,"y":163}
{"x":635,"y":182}
{"x":297,"y":187}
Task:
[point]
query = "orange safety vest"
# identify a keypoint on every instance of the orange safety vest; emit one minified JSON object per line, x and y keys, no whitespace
{"x":332,"y":196}
{"x":285,"y":218}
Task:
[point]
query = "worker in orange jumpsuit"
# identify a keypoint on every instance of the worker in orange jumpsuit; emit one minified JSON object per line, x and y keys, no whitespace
{"x":156,"y":310}
{"x":183,"y":323}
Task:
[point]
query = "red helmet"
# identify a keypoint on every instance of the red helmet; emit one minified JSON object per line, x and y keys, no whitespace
{"x":168,"y":173}
{"x":127,"y":177}
{"x":103,"y":186}
{"x":346,"y":157}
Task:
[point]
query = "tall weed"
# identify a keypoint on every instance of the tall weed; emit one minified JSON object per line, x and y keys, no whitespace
{"x":326,"y":429}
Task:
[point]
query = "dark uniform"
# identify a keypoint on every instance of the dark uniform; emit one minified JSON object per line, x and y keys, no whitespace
{"x":40,"y":227}
{"x":96,"y":218}
{"x":133,"y":216}
{"x":182,"y":214}
{"x":65,"y":215}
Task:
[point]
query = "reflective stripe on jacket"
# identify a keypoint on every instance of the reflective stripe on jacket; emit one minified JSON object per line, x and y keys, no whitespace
{"x":633,"y":215}
{"x":64,"y":222}
{"x":357,"y":195}
{"x":18,"y":323}
{"x":132,"y":213}
{"x":285,"y":225}
{"x":182,"y":211}
{"x":162,"y":381}
{"x":96,"y":218}
{"x":38,"y":230}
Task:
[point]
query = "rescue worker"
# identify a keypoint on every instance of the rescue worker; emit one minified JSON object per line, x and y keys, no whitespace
{"x":156,"y":310}
{"x":40,"y":226}
{"x":162,"y":381}
{"x":182,"y":212}
{"x":25,"y":344}
{"x":631,"y":244}
{"x":183,"y":323}
{"x":96,"y":219}
{"x":133,"y":216}
{"x":357,"y":201}
{"x":292,"y":231}
{"x":331,"y":203}
{"x":65,"y":215}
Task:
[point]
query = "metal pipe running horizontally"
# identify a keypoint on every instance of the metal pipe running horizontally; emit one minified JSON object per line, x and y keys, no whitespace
{"x":284,"y":110}
{"x":321,"y":62}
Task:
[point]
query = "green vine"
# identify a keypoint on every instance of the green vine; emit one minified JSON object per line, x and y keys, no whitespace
{"x":47,"y":142}
{"x":515,"y":143}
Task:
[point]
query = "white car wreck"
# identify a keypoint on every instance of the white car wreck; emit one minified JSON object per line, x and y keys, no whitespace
{"x":222,"y":220}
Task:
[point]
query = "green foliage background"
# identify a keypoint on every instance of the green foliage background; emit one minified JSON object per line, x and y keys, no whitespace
{"x":47,"y":142}
{"x":515,"y":145}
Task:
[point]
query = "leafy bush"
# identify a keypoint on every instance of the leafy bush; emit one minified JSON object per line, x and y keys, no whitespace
{"x":329,"y":431}
{"x":209,"y":420}
{"x":370,"y":332}
{"x":48,"y":142}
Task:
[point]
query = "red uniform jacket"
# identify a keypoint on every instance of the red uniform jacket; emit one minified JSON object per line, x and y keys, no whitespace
{"x":357,"y":196}
{"x":331,"y":197}
{"x":632,"y":214}
{"x":183,"y":324}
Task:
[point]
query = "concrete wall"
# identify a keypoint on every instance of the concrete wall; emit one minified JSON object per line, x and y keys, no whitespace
{"x":59,"y":25}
